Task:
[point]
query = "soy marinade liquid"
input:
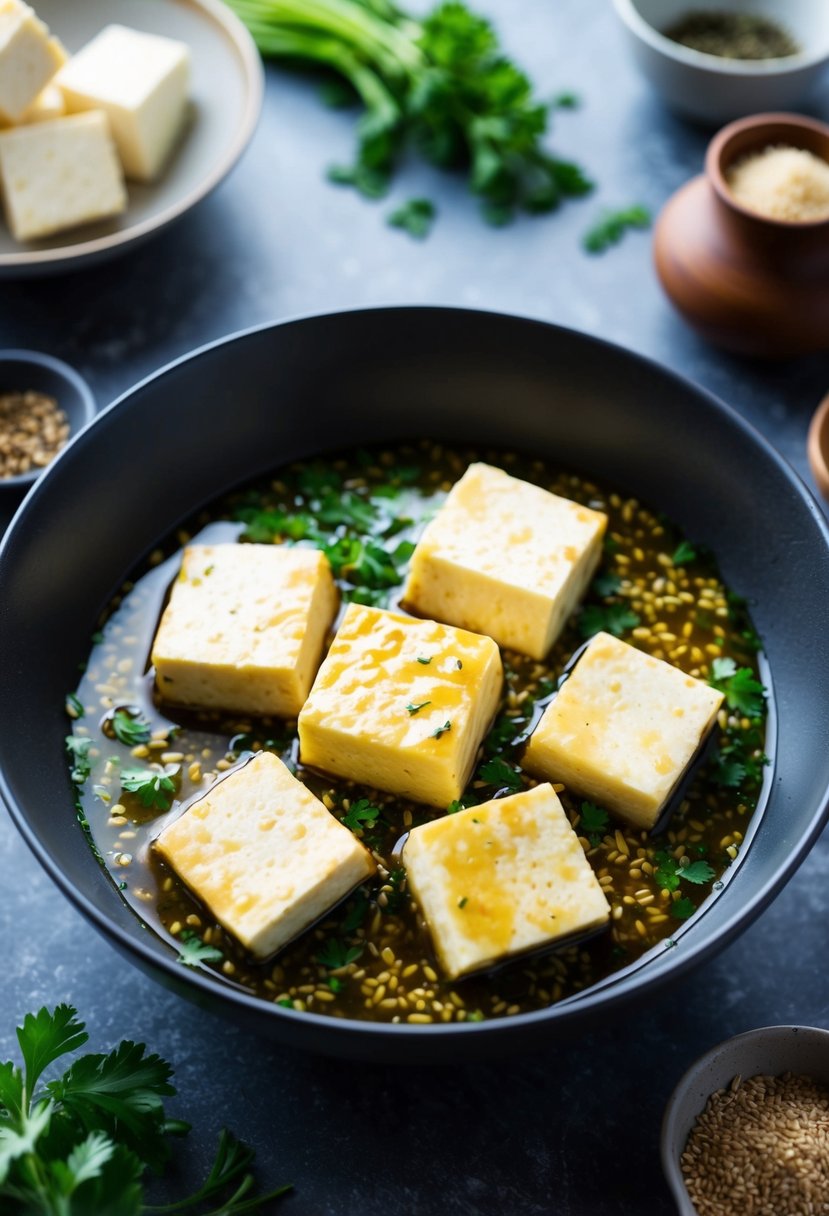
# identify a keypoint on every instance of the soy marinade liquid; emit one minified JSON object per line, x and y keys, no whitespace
{"x":371,"y":958}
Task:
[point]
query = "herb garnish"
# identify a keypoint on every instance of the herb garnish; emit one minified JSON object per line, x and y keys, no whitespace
{"x":681,"y":909}
{"x":593,"y":822}
{"x":424,"y":661}
{"x":131,"y":729}
{"x":81,"y":1144}
{"x":606,"y":583}
{"x":413,"y":709}
{"x":153,"y":789}
{"x":463,"y":901}
{"x":361,"y":814}
{"x":78,"y":748}
{"x":610,"y":618}
{"x":612,"y":226}
{"x":74,"y":706}
{"x":669,"y":872}
{"x":683,"y":554}
{"x":441,"y":730}
{"x":497,"y":772}
{"x":192,"y":951}
{"x":336,"y":954}
{"x":743,"y":691}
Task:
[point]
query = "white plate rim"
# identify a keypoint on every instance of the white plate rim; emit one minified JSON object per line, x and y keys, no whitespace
{"x":65,"y":256}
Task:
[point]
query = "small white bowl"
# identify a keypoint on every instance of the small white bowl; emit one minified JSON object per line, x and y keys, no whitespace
{"x":714,"y":90}
{"x":769,"y":1051}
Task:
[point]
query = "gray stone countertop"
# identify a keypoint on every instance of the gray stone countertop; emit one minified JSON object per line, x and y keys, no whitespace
{"x":572,"y":1131}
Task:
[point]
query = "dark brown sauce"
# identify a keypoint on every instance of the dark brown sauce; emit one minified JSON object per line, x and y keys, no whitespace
{"x":372,"y":957}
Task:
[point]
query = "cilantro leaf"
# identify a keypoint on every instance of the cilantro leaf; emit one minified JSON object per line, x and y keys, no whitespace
{"x":454,"y":806}
{"x":192,"y":951}
{"x":593,"y":822}
{"x":152,"y":788}
{"x":336,"y":954}
{"x":667,"y":871}
{"x":130,"y":727}
{"x":361,"y":814}
{"x":698,"y":873}
{"x":355,"y":915}
{"x":415,"y":216}
{"x":743,"y":691}
{"x":78,"y":748}
{"x":74,"y":706}
{"x":727,"y":771}
{"x":683,"y":554}
{"x":681,"y":909}
{"x":610,"y":618}
{"x":612,"y":225}
{"x":607,"y":583}
{"x":414,"y":709}
{"x":497,"y":772}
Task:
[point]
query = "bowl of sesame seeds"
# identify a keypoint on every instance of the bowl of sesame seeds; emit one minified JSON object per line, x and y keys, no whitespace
{"x":43,"y":404}
{"x":746,"y":1132}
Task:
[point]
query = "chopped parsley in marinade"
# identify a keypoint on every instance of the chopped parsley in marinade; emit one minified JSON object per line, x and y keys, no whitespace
{"x":372,"y":957}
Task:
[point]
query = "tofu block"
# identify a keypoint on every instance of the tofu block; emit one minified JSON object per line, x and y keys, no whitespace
{"x":141,"y":82}
{"x":47,"y":105}
{"x":264,"y":855}
{"x":29,"y":58}
{"x":401,"y":704}
{"x":244,"y":628}
{"x":505,"y":558}
{"x":501,"y":879}
{"x":57,"y":175}
{"x":623,"y":729}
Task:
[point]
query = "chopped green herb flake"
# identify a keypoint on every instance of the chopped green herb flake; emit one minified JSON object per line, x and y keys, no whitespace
{"x":415,"y":217}
{"x":683,"y":554}
{"x":612,"y":226}
{"x":463,"y":902}
{"x":336,"y":954}
{"x":607,"y":583}
{"x":497,"y":772}
{"x":130,"y":728}
{"x":681,"y":909}
{"x":441,"y":730}
{"x":610,"y":618}
{"x":454,"y":807}
{"x":743,"y":691}
{"x":361,"y":814}
{"x":153,"y":789}
{"x":192,"y":951}
{"x":593,"y":822}
{"x":74,"y":706}
{"x":413,"y":709}
{"x":424,"y":661}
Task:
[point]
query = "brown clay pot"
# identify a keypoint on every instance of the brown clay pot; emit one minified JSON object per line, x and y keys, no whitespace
{"x":753,"y":285}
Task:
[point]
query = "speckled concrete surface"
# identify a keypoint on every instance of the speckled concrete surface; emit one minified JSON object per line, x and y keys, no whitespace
{"x":571,"y":1131}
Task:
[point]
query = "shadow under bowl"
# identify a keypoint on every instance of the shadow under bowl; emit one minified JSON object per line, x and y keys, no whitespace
{"x":769,"y":1051}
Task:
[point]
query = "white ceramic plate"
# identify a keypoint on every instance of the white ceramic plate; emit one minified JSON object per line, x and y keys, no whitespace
{"x":226,"y":97}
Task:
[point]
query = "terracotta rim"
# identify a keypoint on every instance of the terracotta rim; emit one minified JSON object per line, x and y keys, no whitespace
{"x":817,"y":447}
{"x":718,"y":159}
{"x":237,"y":35}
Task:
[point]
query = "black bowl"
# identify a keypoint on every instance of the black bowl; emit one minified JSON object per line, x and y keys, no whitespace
{"x":29,"y":370}
{"x":248,"y":404}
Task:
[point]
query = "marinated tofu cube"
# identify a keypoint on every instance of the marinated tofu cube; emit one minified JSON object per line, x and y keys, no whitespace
{"x":29,"y":58}
{"x":623,"y":729}
{"x":401,"y":704}
{"x":505,"y":558}
{"x":501,"y":879}
{"x":141,"y":82}
{"x":264,"y":855}
{"x":57,"y":175}
{"x":245,"y":628}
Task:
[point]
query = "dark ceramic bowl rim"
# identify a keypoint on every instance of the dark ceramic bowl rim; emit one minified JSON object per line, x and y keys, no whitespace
{"x":717,"y":155}
{"x":34,"y":358}
{"x":670,"y":1149}
{"x":200,"y":984}
{"x":736,"y":69}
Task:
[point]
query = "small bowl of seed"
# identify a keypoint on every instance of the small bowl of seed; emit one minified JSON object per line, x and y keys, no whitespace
{"x":716,"y":60}
{"x":43,"y":404}
{"x":747,"y":1127}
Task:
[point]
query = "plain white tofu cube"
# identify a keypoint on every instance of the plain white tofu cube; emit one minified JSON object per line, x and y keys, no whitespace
{"x":264,"y":855}
{"x":141,"y":81}
{"x":623,"y":729}
{"x":29,"y":58}
{"x":48,"y":104}
{"x":244,"y":628}
{"x":57,"y":175}
{"x":502,"y":879}
{"x":506,"y":558}
{"x":401,"y":704}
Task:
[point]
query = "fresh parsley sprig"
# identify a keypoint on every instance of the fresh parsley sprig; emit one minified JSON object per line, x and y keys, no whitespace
{"x":612,"y":226}
{"x":81,"y":1144}
{"x":615,"y":618}
{"x":743,"y":691}
{"x":130,"y":727}
{"x":154,"y":789}
{"x":442,"y":85}
{"x":78,"y":747}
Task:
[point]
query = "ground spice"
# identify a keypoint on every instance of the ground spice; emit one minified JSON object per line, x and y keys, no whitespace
{"x":733,"y":35}
{"x":782,"y":183}
{"x":761,"y":1148}
{"x":33,"y":429}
